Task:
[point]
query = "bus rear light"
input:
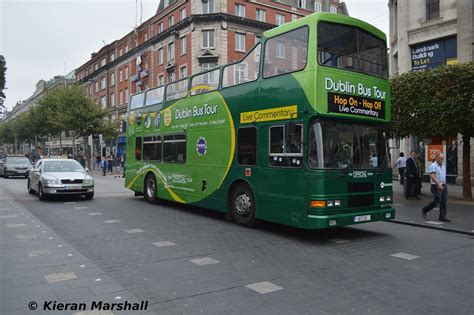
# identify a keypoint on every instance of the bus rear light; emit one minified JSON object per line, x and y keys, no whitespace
{"x":332,"y":222}
{"x":318,"y":203}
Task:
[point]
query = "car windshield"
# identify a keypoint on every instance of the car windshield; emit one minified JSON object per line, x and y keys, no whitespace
{"x":341,"y":145}
{"x":63,"y":166}
{"x":18,"y":160}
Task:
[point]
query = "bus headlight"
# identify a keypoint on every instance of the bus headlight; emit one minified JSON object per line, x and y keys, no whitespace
{"x":330,"y":203}
{"x":388,"y":198}
{"x":332,"y":222}
{"x":382,"y":198}
{"x":337,"y":203}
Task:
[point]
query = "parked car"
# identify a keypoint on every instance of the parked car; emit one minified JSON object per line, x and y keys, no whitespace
{"x":60,"y":177}
{"x":15,"y":166}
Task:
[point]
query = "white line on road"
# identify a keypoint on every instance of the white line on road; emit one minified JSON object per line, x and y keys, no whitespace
{"x":112,"y":221}
{"x":164,"y":243}
{"x":434,"y":222}
{"x":405,"y":256}
{"x":204,"y":261}
{"x":16,"y":225}
{"x":63,"y":276}
{"x":42,"y":252}
{"x":264,"y":287}
{"x":95,"y":213}
{"x":132,"y":231}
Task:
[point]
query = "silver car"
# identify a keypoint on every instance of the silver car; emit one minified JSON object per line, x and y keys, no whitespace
{"x":15,"y":166}
{"x":60,"y":177}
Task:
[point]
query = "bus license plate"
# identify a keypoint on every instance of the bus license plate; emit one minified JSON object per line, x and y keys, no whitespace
{"x":362,"y":218}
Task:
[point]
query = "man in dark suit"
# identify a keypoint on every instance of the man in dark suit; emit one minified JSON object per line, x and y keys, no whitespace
{"x":412,"y":175}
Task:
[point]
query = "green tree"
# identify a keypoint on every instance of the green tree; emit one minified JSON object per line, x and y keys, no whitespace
{"x":3,"y":70}
{"x":439,"y":103}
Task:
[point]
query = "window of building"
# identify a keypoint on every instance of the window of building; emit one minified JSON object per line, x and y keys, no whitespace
{"x":120,"y":97}
{"x":207,"y":6}
{"x":160,"y":56}
{"x":247,"y":146}
{"x":286,"y":145}
{"x":280,"y":19}
{"x":160,"y":27}
{"x":302,"y":4}
{"x":96,"y":66}
{"x":172,"y":77}
{"x":182,"y":14}
{"x":152,"y":148}
{"x":166,"y":3}
{"x":103,"y":83}
{"x":246,"y":70}
{"x":96,"y":86}
{"x":170,"y":20}
{"x":138,"y":148}
{"x":120,"y":52}
{"x":161,"y":79}
{"x":171,"y":51}
{"x":240,"y":10}
{"x":205,"y":82}
{"x":112,"y":99}
{"x":333,"y":9}
{"x":120,"y":75}
{"x":126,"y":48}
{"x":125,"y":97}
{"x":103,"y":102}
{"x":174,"y":148}
{"x":182,"y":45}
{"x":102,"y":62}
{"x":112,"y":79}
{"x":183,"y":72}
{"x":280,"y":50}
{"x":261,"y":15}
{"x":432,"y":9}
{"x":126,"y":73}
{"x":208,"y":39}
{"x":295,"y":42}
{"x":145,"y":37}
{"x":318,"y":7}
{"x":240,"y":42}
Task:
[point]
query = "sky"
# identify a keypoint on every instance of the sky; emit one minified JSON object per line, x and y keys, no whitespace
{"x":40,"y":39}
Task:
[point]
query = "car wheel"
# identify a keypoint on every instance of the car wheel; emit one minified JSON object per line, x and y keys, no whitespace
{"x":242,"y":205}
{"x":89,"y":196}
{"x":30,"y":190}
{"x":41,"y":195}
{"x":150,"y":189}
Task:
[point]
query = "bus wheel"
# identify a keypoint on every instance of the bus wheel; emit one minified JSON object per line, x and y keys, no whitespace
{"x":150,"y":189}
{"x":242,"y":205}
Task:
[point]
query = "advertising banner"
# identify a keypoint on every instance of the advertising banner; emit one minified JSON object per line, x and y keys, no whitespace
{"x":430,"y":153}
{"x":434,"y":54}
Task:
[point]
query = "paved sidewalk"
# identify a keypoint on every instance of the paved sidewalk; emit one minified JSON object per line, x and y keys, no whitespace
{"x":117,"y":173}
{"x":460,"y":212}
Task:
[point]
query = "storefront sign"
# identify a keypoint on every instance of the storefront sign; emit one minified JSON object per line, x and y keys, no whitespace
{"x":430,"y":154}
{"x":434,"y":54}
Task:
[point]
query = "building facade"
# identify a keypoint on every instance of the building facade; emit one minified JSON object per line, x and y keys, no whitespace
{"x":183,"y":38}
{"x":425,"y":34}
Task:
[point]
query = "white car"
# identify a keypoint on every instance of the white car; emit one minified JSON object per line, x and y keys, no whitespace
{"x":60,"y":177}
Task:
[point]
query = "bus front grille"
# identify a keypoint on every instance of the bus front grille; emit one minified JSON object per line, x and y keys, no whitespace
{"x":360,"y":201}
{"x":360,"y":187}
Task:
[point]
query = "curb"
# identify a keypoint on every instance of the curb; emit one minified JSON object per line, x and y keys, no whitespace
{"x":439,"y":228}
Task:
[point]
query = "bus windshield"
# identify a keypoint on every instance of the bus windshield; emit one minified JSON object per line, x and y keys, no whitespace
{"x":341,"y":145}
{"x":348,"y":47}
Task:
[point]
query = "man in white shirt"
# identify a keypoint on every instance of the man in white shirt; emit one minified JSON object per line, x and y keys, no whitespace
{"x":402,"y":164}
{"x":438,"y":189}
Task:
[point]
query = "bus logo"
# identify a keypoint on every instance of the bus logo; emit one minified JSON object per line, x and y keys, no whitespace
{"x":139,"y":119}
{"x":167,"y":117}
{"x":201,"y":146}
{"x":157,"y":120}
{"x":147,"y":121}
{"x":132,"y":118}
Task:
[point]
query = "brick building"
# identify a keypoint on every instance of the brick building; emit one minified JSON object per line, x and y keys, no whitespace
{"x":183,"y":38}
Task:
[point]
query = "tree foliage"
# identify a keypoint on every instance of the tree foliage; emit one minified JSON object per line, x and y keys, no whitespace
{"x":3,"y":70}
{"x":438,"y":102}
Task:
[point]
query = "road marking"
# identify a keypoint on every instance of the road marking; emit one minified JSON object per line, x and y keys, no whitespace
{"x":42,"y":252}
{"x":164,"y":243}
{"x":435,"y":222}
{"x":264,"y":287}
{"x":51,"y":238}
{"x":204,"y":261}
{"x":118,"y":297}
{"x":405,"y":256}
{"x":70,"y":203}
{"x":60,"y":245}
{"x":26,"y":237}
{"x":9,"y":216}
{"x":98,"y":279}
{"x":95,"y":213}
{"x":338,"y":240}
{"x":16,"y":225}
{"x":79,"y":208}
{"x":82,"y":266}
{"x":69,"y":255}
{"x":132,"y":231}
{"x":62,"y":276}
{"x":112,"y":221}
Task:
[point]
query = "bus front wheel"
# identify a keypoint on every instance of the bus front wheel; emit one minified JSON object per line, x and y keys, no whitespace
{"x":242,"y":205}
{"x":150,"y":189}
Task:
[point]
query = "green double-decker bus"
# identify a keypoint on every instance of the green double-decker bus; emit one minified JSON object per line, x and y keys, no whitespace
{"x":293,"y":133}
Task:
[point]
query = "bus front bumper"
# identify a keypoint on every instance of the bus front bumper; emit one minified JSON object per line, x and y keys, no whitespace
{"x":328,"y":221}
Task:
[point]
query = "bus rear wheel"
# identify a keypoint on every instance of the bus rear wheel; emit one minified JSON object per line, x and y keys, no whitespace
{"x":150,"y":189}
{"x":242,"y":205}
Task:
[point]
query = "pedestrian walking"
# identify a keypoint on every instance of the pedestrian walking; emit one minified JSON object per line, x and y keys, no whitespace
{"x":420,"y":175}
{"x":110,"y":164}
{"x":97,"y":162}
{"x":439,"y":189}
{"x":412,"y":175}
{"x":402,"y":164}
{"x":103,"y":166}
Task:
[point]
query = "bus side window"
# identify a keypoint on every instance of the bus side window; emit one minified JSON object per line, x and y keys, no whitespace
{"x":286,"y":145}
{"x":247,"y":146}
{"x":138,"y":148}
{"x":174,"y":148}
{"x":152,"y":148}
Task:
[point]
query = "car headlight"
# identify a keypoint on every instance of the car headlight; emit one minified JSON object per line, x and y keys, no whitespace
{"x":50,"y":182}
{"x":88,"y":181}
